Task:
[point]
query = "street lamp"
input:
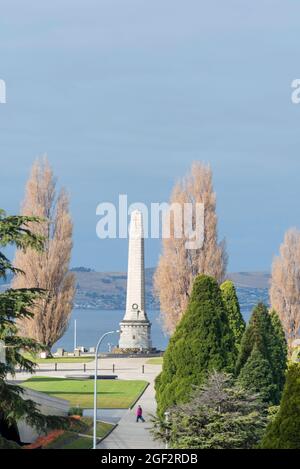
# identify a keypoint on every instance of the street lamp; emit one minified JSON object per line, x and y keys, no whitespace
{"x":95,"y":385}
{"x":75,"y":335}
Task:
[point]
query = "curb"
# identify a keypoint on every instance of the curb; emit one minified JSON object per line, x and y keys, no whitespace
{"x":110,"y":431}
{"x":139,"y":396}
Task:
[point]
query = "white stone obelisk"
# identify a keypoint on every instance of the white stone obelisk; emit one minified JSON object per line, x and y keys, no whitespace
{"x":135,"y":328}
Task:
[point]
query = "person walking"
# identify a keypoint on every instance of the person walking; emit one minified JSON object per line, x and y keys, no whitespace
{"x":139,"y":414}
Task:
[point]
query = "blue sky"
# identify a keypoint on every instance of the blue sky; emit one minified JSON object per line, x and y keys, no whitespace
{"x":124,"y":94}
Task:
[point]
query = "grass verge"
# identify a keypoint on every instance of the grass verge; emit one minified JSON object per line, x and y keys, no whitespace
{"x":38,"y":360}
{"x":155,"y":361}
{"x":112,"y":394}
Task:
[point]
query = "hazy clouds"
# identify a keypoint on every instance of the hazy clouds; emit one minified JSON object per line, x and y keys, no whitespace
{"x":124,"y":94}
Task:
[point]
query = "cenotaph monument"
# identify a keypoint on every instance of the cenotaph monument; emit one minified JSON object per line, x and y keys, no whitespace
{"x":135,"y":329}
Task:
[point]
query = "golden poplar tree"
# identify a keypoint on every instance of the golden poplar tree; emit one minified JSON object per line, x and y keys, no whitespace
{"x":178,"y":266}
{"x":49,"y":269}
{"x":285,"y":285}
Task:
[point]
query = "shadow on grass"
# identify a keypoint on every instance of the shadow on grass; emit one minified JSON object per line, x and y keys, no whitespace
{"x":45,"y":379}
{"x":80,"y":393}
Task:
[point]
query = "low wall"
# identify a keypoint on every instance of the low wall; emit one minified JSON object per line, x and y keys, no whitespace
{"x":48,"y":406}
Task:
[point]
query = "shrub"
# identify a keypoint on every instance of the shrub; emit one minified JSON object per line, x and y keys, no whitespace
{"x":76,"y":411}
{"x":220,"y":415}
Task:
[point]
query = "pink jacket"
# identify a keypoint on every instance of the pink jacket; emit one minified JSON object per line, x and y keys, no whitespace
{"x":139,"y":412}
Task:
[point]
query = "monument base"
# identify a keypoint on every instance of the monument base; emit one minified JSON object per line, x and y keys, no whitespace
{"x":131,"y":353}
{"x":135,"y":336}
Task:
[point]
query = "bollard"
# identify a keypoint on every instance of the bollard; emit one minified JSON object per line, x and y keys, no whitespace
{"x":55,"y":366}
{"x":113,"y":368}
{"x":84,"y":367}
{"x":143,"y":369}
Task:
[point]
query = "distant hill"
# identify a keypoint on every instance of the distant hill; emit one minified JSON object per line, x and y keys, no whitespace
{"x":81,"y":269}
{"x":107,"y":290}
{"x":251,"y":279}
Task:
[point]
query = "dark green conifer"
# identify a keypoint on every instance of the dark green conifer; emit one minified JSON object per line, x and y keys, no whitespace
{"x":257,"y":375}
{"x":231,"y":302}
{"x":264,"y":333}
{"x":203,"y":341}
{"x":284,"y":431}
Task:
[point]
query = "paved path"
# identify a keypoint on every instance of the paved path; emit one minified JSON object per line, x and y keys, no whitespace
{"x":125,"y":368}
{"x":131,"y":435}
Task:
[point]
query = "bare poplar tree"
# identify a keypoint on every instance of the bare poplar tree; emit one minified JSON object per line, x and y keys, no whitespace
{"x":177,"y":265}
{"x":49,"y":269}
{"x":285,"y":285}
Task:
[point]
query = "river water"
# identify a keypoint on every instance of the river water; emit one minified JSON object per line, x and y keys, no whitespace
{"x":91,"y":324}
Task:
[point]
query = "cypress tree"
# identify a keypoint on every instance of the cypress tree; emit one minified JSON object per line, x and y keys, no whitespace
{"x":202,"y":342}
{"x":279,"y":352}
{"x":264,"y":333}
{"x":257,"y":375}
{"x":231,"y":302}
{"x":284,"y":431}
{"x":256,"y":334}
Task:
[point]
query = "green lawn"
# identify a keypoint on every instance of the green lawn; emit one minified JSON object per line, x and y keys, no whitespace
{"x":155,"y":361}
{"x":59,"y":359}
{"x":74,"y":440}
{"x":102,"y":429}
{"x":85,"y":427}
{"x":81,"y":442}
{"x":112,"y":393}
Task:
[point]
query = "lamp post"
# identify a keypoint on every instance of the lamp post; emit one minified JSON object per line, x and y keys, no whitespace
{"x":95,"y":385}
{"x":75,"y":335}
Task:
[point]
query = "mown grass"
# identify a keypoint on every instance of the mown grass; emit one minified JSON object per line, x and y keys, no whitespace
{"x":38,"y":360}
{"x":102,"y":428}
{"x":155,"y":361}
{"x":81,"y":442}
{"x":112,"y":394}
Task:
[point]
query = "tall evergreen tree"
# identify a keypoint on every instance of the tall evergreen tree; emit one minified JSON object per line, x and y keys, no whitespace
{"x":202,"y":342}
{"x":231,"y":302}
{"x":279,"y":352}
{"x":284,"y":431}
{"x":14,"y":305}
{"x":257,"y":375}
{"x":257,"y":334}
{"x":263,"y":333}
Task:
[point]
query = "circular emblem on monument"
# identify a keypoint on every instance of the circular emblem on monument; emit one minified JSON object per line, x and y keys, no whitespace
{"x":135,"y":306}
